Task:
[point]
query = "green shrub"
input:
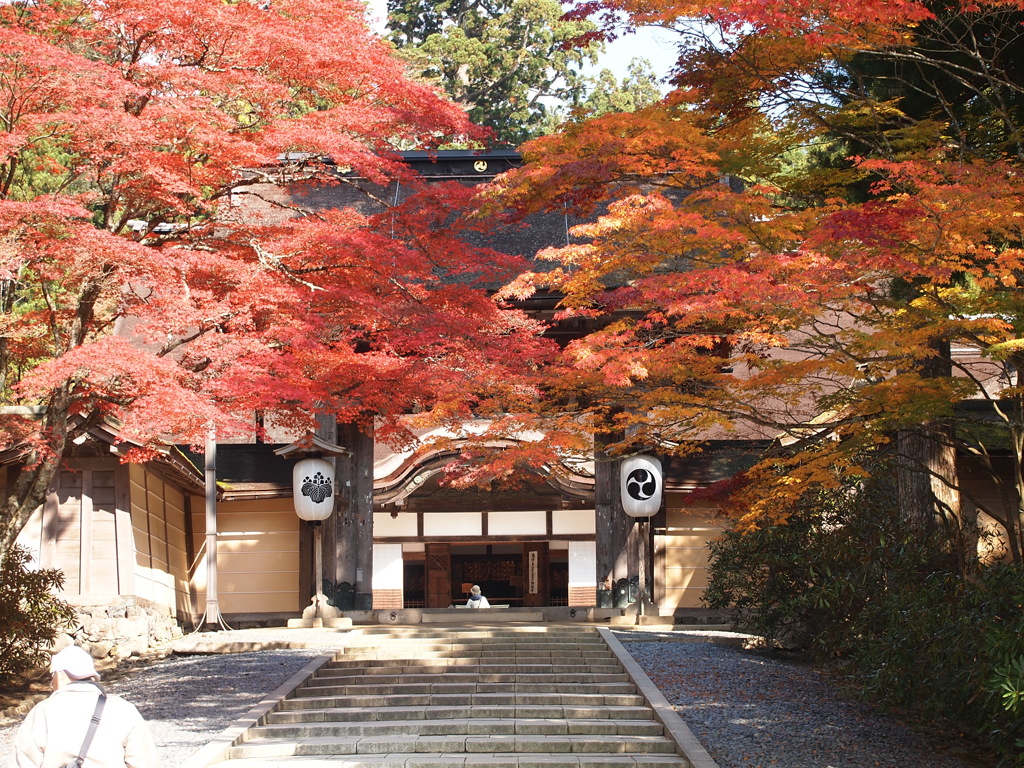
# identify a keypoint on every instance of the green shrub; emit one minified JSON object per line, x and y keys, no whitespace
{"x":952,"y":649}
{"x":845,"y":580}
{"x":801,"y":584}
{"x":31,"y":615}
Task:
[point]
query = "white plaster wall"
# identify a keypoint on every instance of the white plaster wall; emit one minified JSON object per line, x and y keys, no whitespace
{"x":452,"y":524}
{"x":385,"y":525}
{"x":387,"y":566}
{"x":582,"y":564}
{"x":573,"y":521}
{"x":517,"y":523}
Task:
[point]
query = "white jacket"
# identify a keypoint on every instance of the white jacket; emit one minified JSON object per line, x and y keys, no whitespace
{"x":53,"y":731}
{"x":478,"y":602}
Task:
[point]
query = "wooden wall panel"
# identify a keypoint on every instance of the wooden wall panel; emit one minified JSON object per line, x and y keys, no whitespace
{"x":683,"y":547}
{"x":124,"y":530}
{"x":177,"y":547}
{"x":686,"y":577}
{"x":114,"y":530}
{"x":159,"y":528}
{"x":67,"y":530}
{"x":104,"y":571}
{"x":257,"y":556}
{"x":75,"y":529}
{"x":101,"y":556}
{"x":258,"y":602}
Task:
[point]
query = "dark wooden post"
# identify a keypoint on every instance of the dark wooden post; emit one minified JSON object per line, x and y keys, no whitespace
{"x":613,"y":526}
{"x":353,"y":529}
{"x":326,"y":430}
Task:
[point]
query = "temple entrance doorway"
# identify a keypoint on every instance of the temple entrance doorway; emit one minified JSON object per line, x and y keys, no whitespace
{"x":512,"y":573}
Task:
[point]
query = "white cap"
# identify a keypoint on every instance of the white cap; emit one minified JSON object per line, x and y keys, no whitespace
{"x":75,"y":662}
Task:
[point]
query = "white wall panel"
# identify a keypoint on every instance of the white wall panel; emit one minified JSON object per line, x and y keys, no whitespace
{"x":582,"y":564}
{"x":387,"y":566}
{"x":452,"y":524}
{"x":569,"y":521}
{"x":517,"y":523}
{"x":385,"y":525}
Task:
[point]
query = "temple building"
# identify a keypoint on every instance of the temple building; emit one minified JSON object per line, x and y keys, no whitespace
{"x":400,"y":546}
{"x":399,"y":542}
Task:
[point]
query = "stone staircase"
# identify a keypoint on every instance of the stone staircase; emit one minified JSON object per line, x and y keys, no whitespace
{"x":499,"y":696}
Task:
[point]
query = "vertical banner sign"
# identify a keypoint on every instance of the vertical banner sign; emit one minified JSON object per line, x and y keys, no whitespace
{"x":641,"y":484}
{"x":533,"y":571}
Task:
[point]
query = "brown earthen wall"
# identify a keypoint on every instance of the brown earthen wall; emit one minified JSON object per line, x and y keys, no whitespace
{"x":257,"y":556}
{"x":683,"y":547}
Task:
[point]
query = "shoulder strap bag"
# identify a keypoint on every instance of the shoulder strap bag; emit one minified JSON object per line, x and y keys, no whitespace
{"x":77,"y":762}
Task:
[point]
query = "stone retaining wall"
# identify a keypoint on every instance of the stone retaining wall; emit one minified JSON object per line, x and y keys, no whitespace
{"x":119,"y":630}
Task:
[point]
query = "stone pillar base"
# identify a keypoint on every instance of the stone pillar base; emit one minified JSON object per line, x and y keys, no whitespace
{"x":342,"y":622}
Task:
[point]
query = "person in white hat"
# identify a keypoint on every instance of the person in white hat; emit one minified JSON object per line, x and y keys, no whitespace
{"x":54,"y":730}
{"x":476,"y":599}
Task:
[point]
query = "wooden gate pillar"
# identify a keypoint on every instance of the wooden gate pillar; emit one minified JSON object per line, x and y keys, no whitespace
{"x":352,"y":548}
{"x":613,"y":526}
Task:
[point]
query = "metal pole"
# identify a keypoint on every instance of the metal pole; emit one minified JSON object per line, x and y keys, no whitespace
{"x":318,"y":568}
{"x":642,"y":567}
{"x":212,"y":604}
{"x":212,"y":614}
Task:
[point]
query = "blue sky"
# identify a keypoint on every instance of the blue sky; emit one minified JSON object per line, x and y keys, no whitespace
{"x":656,"y":45}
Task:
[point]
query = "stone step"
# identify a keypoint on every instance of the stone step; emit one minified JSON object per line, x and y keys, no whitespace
{"x":417,"y":630}
{"x":477,"y":639}
{"x":523,"y":697}
{"x":501,"y":643}
{"x":428,"y":712}
{"x":481,"y":655}
{"x":439,"y":666}
{"x":453,"y":760}
{"x":467,"y":617}
{"x":465,"y":700}
{"x":468,"y":688}
{"x":389,"y":678}
{"x":468,"y":743}
{"x":457,"y":726}
{"x":566,"y":664}
{"x":463,"y":660}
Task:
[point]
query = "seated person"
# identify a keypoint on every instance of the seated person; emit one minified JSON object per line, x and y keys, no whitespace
{"x":476,"y":600}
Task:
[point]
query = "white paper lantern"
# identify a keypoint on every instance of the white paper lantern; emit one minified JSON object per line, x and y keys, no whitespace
{"x":313,"y":489}
{"x":641,"y":485}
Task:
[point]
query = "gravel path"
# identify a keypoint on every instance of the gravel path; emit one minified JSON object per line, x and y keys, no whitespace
{"x":188,"y":700}
{"x":753,"y":710}
{"x":749,"y":710}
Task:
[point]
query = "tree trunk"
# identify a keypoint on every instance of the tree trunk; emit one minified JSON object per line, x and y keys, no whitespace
{"x":927,"y":477}
{"x":33,"y":481}
{"x":929,"y":495}
{"x":25,"y":494}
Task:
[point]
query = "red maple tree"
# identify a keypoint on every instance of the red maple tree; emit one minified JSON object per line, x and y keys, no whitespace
{"x":814,"y":303}
{"x":134,"y":287}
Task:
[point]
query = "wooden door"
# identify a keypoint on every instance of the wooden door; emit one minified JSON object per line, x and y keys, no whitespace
{"x":535,"y":573}
{"x":439,"y":575}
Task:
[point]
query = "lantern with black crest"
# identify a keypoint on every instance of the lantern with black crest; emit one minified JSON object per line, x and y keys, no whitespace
{"x":641,"y":485}
{"x":313,"y":488}
{"x":314,"y":491}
